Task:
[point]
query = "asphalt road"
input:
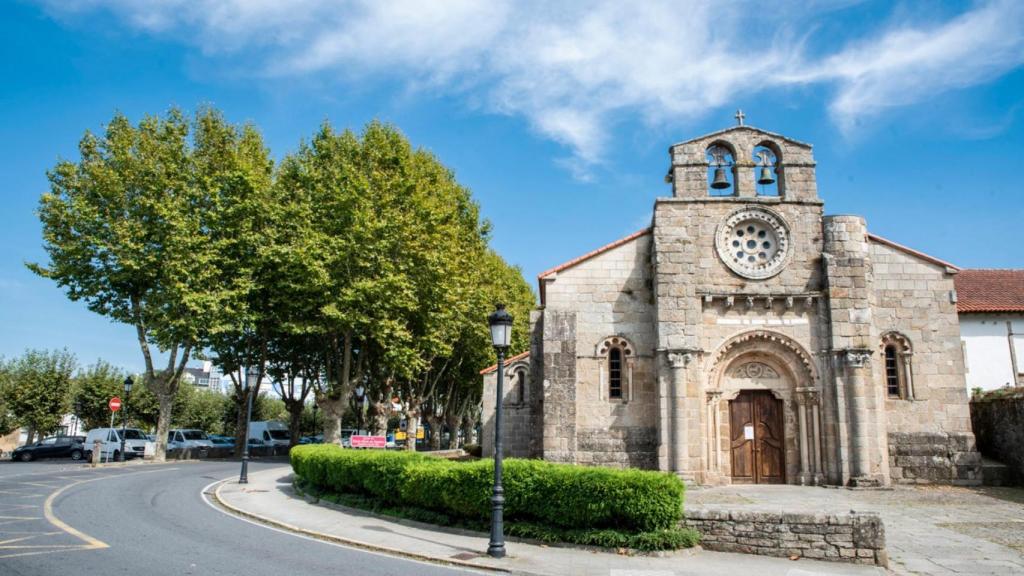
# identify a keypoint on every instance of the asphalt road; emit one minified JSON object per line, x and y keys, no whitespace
{"x":151,"y":520}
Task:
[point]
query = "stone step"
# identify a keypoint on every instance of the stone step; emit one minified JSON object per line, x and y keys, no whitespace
{"x":995,"y":473}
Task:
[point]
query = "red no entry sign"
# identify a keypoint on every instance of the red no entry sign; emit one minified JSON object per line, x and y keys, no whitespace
{"x":114,"y":404}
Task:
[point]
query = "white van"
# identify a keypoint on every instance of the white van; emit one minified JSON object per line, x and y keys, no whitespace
{"x":269,"y":433}
{"x":188,"y":439}
{"x":110,"y":443}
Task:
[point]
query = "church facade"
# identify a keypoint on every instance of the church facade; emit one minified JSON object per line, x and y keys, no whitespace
{"x":745,"y":337}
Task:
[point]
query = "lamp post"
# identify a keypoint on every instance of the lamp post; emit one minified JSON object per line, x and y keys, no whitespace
{"x":500,"y":322}
{"x":128,"y":382}
{"x":360,"y":397}
{"x":250,"y":381}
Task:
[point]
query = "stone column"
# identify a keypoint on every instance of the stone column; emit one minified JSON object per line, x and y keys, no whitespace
{"x":712,"y":440}
{"x":908,"y":374}
{"x":803,"y":437}
{"x":849,"y":277}
{"x":678,"y":360}
{"x":819,"y":473}
{"x":858,"y":370}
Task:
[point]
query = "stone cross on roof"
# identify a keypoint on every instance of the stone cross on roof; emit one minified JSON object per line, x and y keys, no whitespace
{"x":739,"y":117}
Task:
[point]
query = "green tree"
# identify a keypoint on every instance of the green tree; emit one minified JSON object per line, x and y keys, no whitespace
{"x":201,"y":409}
{"x":129,"y":230}
{"x":93,"y":388}
{"x":37,"y":389}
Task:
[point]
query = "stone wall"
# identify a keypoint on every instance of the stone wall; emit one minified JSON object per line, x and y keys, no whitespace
{"x":855,"y":537}
{"x":999,"y":429}
{"x":934,"y":458}
{"x":605,"y":296}
{"x":913,"y":297}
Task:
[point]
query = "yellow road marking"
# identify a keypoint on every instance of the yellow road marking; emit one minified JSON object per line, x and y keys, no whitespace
{"x":90,"y":542}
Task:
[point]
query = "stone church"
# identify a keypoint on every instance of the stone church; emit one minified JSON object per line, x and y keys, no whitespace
{"x":745,"y":337}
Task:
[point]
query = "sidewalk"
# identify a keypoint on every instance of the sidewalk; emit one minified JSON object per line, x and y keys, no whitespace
{"x":929,"y":530}
{"x":269,"y":498}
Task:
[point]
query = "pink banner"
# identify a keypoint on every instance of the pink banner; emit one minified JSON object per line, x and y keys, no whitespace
{"x":368,"y":441}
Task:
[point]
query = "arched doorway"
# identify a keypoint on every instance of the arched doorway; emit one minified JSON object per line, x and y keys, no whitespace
{"x":762,"y":412}
{"x":757,"y":451}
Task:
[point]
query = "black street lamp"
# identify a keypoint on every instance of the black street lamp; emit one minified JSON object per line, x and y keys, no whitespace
{"x":501,"y":335}
{"x":360,"y":404}
{"x":250,"y":382}
{"x":128,"y":382}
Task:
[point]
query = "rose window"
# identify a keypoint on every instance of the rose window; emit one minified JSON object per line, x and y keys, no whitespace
{"x":754,"y":242}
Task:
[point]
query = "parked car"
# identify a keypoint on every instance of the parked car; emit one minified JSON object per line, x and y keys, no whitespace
{"x":318,"y":439}
{"x":188,"y":439}
{"x":273,"y":434}
{"x":110,"y":439}
{"x":221,"y":441}
{"x":52,"y":447}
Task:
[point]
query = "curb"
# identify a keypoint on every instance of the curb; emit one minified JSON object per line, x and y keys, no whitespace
{"x":216,"y":497}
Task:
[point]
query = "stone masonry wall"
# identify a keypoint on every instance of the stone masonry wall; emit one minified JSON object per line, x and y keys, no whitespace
{"x":914,"y":298}
{"x":518,"y":417}
{"x":856,"y":537}
{"x":608,"y":295}
{"x":999,"y":428}
{"x":934,"y":458}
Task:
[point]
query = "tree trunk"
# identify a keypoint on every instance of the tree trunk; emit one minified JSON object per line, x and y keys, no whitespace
{"x":378,"y":421}
{"x":30,"y":435}
{"x":412,"y":426}
{"x":163,"y":424}
{"x":435,"y":432}
{"x":332,"y":409}
{"x":452,"y":422}
{"x":295,"y":422}
{"x":241,"y":426}
{"x":468,"y":431}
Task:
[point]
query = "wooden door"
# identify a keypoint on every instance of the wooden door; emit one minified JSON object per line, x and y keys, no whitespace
{"x":757,"y":447}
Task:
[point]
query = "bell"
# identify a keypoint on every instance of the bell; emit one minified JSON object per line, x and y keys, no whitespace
{"x":766,"y":176}
{"x":720,"y":182}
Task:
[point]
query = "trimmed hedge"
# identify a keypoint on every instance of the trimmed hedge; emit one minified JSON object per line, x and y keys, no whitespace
{"x":537,"y":493}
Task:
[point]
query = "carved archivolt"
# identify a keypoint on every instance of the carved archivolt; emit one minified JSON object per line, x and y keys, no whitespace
{"x":902,"y":342}
{"x":615,"y":342}
{"x":773,"y":338}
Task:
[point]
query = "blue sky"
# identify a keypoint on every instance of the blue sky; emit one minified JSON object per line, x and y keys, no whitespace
{"x":558,"y":118}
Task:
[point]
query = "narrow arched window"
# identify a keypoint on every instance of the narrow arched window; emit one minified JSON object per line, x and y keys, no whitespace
{"x":893,"y":372}
{"x":520,"y":396}
{"x":615,"y":373}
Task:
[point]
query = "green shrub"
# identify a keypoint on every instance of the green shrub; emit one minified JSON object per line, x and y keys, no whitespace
{"x":537,"y":493}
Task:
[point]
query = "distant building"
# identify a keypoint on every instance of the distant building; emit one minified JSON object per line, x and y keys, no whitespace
{"x":206,"y":377}
{"x":990,"y":304}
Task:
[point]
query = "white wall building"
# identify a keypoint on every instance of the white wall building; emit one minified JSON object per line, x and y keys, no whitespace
{"x":990,"y":304}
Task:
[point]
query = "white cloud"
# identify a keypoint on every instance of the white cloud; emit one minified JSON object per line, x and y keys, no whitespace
{"x":573,"y":69}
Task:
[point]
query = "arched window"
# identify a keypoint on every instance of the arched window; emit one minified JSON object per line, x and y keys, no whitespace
{"x":615,"y":373}
{"x":520,"y":394}
{"x":893,"y":373}
{"x":616,"y":353}
{"x":721,"y":175}
{"x":766,"y":162}
{"x":896,"y":365}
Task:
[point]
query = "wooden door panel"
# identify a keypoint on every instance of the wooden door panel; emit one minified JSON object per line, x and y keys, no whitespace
{"x":761,"y":459}
{"x":741,"y":414}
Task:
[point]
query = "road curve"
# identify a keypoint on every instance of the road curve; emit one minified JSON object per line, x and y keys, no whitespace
{"x":152,"y":520}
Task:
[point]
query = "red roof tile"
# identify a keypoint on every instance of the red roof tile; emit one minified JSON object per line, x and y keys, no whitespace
{"x":587,"y":256}
{"x":494,"y":367}
{"x":911,"y":251}
{"x":989,"y":290}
